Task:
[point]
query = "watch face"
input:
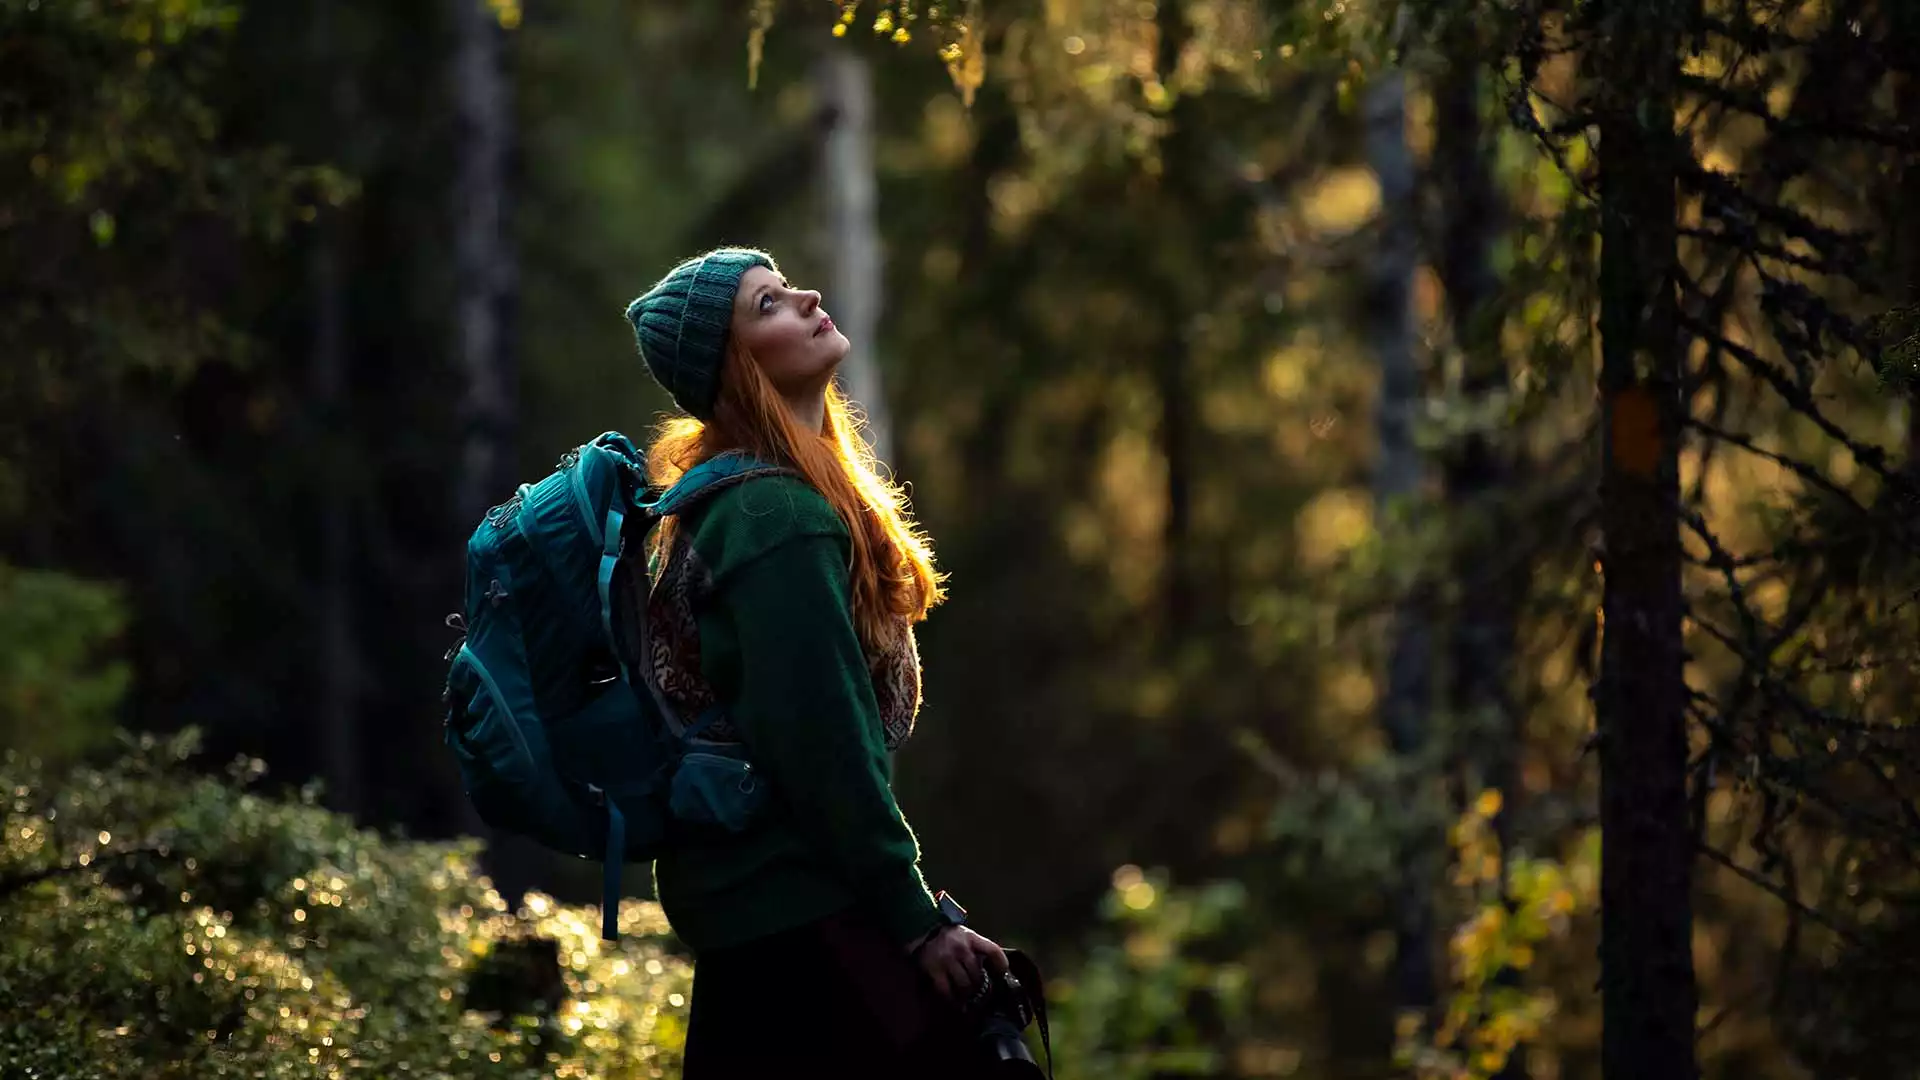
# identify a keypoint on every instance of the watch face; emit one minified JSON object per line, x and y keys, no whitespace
{"x":950,"y":909}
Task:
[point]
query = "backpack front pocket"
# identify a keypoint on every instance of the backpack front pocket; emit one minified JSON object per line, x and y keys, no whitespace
{"x":510,"y":781}
{"x":717,"y":790}
{"x":487,"y":746}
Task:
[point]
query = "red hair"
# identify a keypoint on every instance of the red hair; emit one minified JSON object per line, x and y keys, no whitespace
{"x":894,"y":580}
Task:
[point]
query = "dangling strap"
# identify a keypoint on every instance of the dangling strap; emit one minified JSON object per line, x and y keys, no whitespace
{"x":610,"y":874}
{"x":615,"y":859}
{"x":1028,"y":973}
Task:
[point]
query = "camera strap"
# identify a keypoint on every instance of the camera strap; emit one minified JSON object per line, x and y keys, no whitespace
{"x":1028,"y":973}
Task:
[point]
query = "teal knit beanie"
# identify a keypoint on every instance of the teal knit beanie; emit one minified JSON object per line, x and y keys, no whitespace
{"x":681,"y":324}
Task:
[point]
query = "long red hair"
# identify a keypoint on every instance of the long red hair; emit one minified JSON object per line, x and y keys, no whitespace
{"x":895,"y":583}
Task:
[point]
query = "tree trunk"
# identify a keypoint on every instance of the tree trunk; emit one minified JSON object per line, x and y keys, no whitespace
{"x":1648,"y":993}
{"x":484,"y":278}
{"x":339,"y":671}
{"x":853,"y":296}
{"x":1398,"y":472}
{"x":1907,"y":240}
{"x":482,"y":267}
{"x":1490,"y":577}
{"x":1477,"y":471}
{"x":1179,"y":153}
{"x":1176,"y":444}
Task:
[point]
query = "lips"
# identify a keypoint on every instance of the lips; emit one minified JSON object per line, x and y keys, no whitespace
{"x":826,"y":324}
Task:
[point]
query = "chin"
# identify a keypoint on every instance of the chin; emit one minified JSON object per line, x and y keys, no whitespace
{"x":814,"y":374}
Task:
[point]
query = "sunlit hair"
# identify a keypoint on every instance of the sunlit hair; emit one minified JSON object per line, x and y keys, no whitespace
{"x":894,"y":580}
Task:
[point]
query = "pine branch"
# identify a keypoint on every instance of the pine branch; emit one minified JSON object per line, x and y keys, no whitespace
{"x":1870,"y":457}
{"x":1723,"y":198}
{"x":1719,"y":558}
{"x":1754,"y":103}
{"x":1793,"y":903}
{"x":1781,"y":772}
{"x":1746,"y":243}
{"x":1780,"y":297}
{"x":1799,"y":468}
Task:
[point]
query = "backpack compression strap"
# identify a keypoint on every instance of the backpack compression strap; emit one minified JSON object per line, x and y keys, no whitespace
{"x":611,"y":865}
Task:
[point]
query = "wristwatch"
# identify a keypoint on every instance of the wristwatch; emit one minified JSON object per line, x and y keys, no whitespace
{"x":951,"y":914}
{"x":949,"y":908}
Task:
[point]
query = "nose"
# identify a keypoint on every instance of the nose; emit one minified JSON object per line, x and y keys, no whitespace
{"x":809,"y":300}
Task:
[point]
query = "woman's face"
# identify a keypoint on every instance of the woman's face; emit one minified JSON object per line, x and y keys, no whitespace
{"x":792,"y":340}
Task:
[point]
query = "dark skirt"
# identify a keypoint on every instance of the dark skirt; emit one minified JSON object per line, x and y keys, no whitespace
{"x":831,"y":998}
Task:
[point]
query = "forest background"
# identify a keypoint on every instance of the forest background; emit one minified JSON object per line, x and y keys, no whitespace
{"x":1388,"y":454}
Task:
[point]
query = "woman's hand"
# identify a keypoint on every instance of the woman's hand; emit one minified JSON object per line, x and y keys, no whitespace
{"x":953,"y":956}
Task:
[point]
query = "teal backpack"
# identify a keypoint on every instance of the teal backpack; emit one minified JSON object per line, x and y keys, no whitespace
{"x":557,"y":729}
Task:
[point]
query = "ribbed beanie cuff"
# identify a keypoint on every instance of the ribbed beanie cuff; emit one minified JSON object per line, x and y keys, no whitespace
{"x":681,"y":324}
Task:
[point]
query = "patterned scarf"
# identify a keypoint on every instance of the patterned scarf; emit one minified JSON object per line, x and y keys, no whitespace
{"x":673,"y":652}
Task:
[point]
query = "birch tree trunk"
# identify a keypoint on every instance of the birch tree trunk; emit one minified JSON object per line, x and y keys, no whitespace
{"x":482,"y":260}
{"x":483,"y":281}
{"x":1648,"y":992}
{"x":1398,"y":471}
{"x":852,"y":199}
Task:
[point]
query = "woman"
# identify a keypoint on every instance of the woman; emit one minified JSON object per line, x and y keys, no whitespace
{"x":789,"y":600}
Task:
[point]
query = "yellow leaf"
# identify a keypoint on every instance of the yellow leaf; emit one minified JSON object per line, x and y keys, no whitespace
{"x":1488,"y":804}
{"x":757,"y":40}
{"x":507,"y":12}
{"x":965,"y":56}
{"x":1489,"y":867}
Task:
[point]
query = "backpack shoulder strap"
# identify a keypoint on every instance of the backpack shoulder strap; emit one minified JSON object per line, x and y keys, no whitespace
{"x":708,"y":477}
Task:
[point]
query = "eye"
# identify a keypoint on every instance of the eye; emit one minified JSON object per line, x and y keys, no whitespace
{"x":766,"y":303}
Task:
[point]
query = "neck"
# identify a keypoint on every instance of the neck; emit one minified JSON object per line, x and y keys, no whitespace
{"x":809,"y":409}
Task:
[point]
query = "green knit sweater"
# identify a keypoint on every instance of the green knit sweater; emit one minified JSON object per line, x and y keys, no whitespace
{"x":777,"y":647}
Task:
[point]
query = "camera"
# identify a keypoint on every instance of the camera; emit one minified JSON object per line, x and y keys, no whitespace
{"x":998,"y":1013}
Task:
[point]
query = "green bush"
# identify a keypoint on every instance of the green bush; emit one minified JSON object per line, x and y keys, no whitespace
{"x":59,"y":695}
{"x":165,"y":923}
{"x":1154,"y":997}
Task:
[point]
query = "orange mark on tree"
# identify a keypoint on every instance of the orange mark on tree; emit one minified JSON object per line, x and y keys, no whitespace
{"x":1635,"y":430}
